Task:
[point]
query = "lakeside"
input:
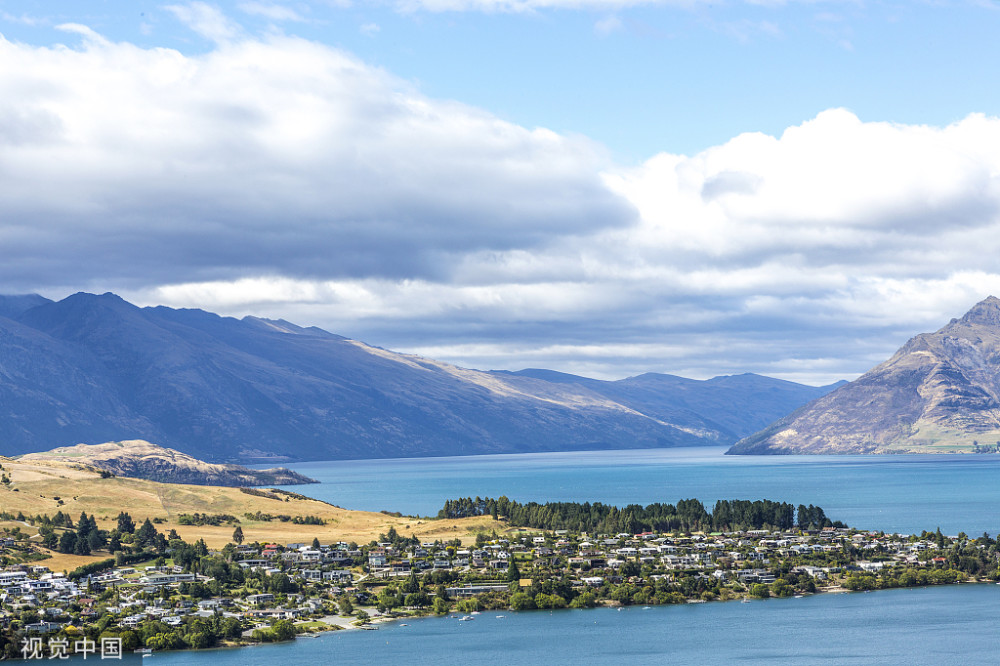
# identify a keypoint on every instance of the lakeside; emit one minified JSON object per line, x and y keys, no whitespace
{"x":193,"y":597}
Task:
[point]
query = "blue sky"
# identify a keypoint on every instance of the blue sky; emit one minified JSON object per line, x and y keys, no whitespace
{"x":597,"y":186}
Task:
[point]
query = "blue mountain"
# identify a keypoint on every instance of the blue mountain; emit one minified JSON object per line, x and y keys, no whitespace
{"x":95,"y":368}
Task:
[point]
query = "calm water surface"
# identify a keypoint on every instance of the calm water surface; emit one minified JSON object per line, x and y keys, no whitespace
{"x":944,"y":625}
{"x":892,"y":493}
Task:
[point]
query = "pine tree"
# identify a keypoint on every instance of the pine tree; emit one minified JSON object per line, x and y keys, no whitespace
{"x":125,"y":523}
{"x":513,"y":573}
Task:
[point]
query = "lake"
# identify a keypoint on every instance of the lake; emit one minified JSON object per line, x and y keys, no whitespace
{"x":892,"y":493}
{"x":942,"y":625}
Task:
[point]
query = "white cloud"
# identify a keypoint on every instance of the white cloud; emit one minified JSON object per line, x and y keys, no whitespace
{"x":608,"y":25}
{"x":23,"y":19}
{"x":272,"y":11}
{"x":370,"y":29}
{"x":838,"y":239}
{"x":206,"y":20}
{"x":284,"y":178}
{"x":279,"y":156}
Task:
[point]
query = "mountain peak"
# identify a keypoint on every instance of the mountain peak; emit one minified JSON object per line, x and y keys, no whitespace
{"x":940,"y":393}
{"x":986,"y":312}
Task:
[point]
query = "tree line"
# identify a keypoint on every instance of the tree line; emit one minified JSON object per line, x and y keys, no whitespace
{"x":688,"y":515}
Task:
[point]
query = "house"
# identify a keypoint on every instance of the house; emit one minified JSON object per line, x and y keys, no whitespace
{"x":472,"y":590}
{"x":260,"y":599}
{"x":167,"y":578}
{"x":338,"y":575}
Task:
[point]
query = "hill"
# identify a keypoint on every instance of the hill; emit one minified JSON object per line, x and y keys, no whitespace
{"x":138,"y":459}
{"x":939,"y":393}
{"x":95,"y":369}
{"x":45,"y":487}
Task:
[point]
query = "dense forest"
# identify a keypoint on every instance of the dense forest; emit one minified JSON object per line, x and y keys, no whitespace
{"x":688,"y":515}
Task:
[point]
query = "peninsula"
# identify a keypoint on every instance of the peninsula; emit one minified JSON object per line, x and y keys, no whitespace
{"x":191,"y":567}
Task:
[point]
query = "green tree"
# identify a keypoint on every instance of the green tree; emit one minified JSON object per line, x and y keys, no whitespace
{"x":125,"y":523}
{"x":513,"y":573}
{"x":284,"y":630}
{"x":238,"y":535}
{"x":521,"y":601}
{"x":346,"y":607}
{"x":146,"y":534}
{"x":67,"y":542}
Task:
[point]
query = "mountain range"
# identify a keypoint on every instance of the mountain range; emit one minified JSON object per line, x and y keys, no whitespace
{"x":95,"y":368}
{"x":940,"y":393}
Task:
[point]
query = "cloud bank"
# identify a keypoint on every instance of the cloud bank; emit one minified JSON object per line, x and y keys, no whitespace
{"x":277,"y":176}
{"x":265,"y":156}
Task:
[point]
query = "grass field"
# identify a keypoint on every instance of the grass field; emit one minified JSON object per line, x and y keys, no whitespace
{"x":932,"y":438}
{"x":49,"y":487}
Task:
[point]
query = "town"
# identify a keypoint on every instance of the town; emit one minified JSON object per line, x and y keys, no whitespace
{"x":161,"y":593}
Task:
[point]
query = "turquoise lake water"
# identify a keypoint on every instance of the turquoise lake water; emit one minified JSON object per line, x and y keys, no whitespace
{"x":944,"y":625}
{"x":892,"y":493}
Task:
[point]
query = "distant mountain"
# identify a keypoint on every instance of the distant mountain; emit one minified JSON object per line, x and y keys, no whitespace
{"x":939,"y":393}
{"x":96,"y":369}
{"x":721,"y":409}
{"x":12,"y":306}
{"x":138,"y":459}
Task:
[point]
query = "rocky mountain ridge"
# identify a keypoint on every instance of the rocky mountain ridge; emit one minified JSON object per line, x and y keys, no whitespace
{"x":939,"y":393}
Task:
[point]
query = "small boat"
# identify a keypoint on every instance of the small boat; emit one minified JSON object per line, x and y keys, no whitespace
{"x":500,"y":617}
{"x":745,"y":601}
{"x":645,"y":608}
{"x":475,"y":612}
{"x":466,"y":618}
{"x":404,"y":625}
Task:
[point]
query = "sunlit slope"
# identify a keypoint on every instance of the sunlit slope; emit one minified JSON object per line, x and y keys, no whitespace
{"x":46,"y":487}
{"x":939,"y":393}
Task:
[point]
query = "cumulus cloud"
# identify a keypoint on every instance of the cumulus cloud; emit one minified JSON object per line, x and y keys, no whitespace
{"x":279,"y":177}
{"x":276,"y":156}
{"x":811,"y":255}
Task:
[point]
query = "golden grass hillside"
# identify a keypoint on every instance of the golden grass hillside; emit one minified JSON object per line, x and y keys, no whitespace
{"x":45,"y":487}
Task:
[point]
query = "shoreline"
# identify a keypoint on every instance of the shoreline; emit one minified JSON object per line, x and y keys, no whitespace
{"x":386,"y":619}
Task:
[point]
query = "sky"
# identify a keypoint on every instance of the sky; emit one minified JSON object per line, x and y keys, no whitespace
{"x":601,"y":187}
